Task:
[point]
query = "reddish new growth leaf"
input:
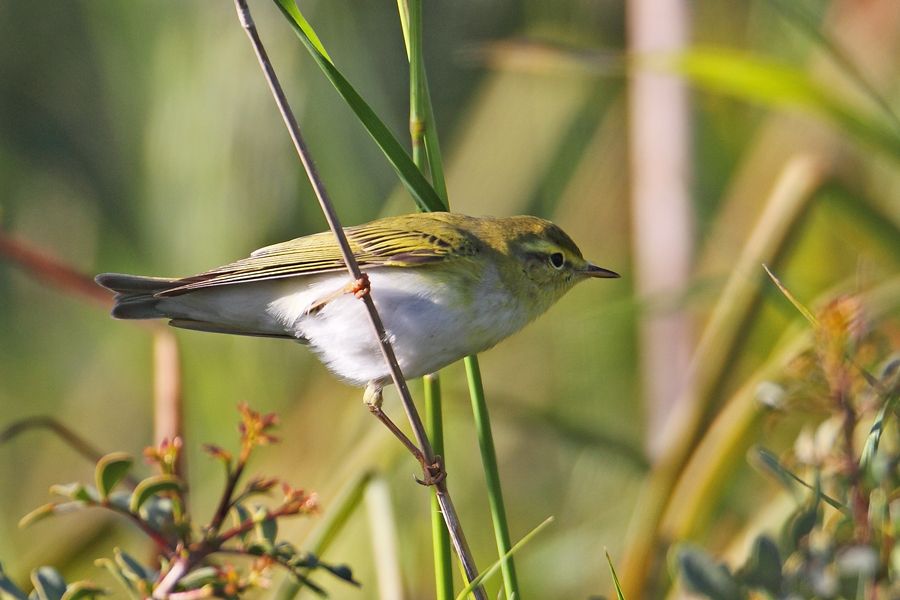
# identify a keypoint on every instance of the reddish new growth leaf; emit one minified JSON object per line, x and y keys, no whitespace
{"x":298,"y":501}
{"x":219,"y":453}
{"x":254,"y":428}
{"x":260,"y":485}
{"x":165,"y":455}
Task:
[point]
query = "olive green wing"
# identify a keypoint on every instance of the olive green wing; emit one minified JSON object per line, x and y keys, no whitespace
{"x":408,"y":241}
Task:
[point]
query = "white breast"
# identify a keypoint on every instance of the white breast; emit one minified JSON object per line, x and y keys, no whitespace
{"x":429,"y":325}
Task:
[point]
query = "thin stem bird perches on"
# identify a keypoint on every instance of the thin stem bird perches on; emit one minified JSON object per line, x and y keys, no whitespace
{"x":423,"y":445}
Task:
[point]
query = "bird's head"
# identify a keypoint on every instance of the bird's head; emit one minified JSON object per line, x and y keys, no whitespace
{"x":541,"y":260}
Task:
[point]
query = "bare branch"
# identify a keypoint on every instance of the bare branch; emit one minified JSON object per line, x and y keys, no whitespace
{"x":51,"y":270}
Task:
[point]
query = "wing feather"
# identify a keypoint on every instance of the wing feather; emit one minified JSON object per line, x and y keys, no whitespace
{"x":408,"y":241}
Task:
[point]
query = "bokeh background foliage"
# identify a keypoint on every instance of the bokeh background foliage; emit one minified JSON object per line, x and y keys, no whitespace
{"x":139,"y":137}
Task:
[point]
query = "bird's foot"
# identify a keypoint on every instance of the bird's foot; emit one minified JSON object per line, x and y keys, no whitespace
{"x":434,"y":473}
{"x":373,"y":397}
{"x":361,"y":287}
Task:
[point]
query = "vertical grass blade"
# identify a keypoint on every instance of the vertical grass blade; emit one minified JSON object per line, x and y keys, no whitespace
{"x":385,"y":548}
{"x":422,"y":124}
{"x":615,"y":578}
{"x":411,"y":22}
{"x":443,"y":568}
{"x":410,"y":176}
{"x":423,"y":130}
{"x":491,"y":570}
{"x":492,"y":477}
{"x":420,"y":97}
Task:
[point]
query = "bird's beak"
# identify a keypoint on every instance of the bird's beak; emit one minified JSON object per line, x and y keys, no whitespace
{"x":594,"y":271}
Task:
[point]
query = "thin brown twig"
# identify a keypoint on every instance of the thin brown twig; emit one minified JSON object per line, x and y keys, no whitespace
{"x":165,"y":545}
{"x":447,"y":508}
{"x":51,"y":270}
{"x":225,"y":502}
{"x":45,"y":267}
{"x":248,"y":525}
{"x":80,"y":445}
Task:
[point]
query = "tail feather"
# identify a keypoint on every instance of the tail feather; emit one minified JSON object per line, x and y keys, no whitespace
{"x":140,"y":297}
{"x":231,"y":329}
{"x":136,"y":296}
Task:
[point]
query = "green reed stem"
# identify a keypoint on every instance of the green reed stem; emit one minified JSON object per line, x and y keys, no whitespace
{"x":416,"y":99}
{"x":423,"y":135}
{"x":491,"y":476}
{"x":434,"y":423}
{"x":432,"y":147}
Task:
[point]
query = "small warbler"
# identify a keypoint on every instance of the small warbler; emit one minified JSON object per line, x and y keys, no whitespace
{"x":446,"y":285}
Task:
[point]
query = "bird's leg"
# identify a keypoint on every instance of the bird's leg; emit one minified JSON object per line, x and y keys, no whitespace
{"x":434,"y":472}
{"x":372,"y":398}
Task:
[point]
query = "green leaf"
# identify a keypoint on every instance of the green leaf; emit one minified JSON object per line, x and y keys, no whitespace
{"x":760,"y":80}
{"x":9,"y":590}
{"x":293,"y":12}
{"x":151,"y":486}
{"x":241,"y":515}
{"x":285,"y":550}
{"x":76,"y":491}
{"x":130,"y":567}
{"x":258,"y":548}
{"x":771,"y":463}
{"x":410,"y":176}
{"x":48,"y":583}
{"x":888,"y":387}
{"x":110,"y":471}
{"x":807,"y":314}
{"x":492,"y":570}
{"x":53,"y":508}
{"x":83,"y":590}
{"x":119,"y":576}
{"x":266,"y":527}
{"x":800,"y":525}
{"x":702,"y":575}
{"x":763,"y":568}
{"x":199,"y":577}
{"x":341,"y":572}
{"x":158,"y":512}
{"x":615,"y":578}
{"x":303,"y":580}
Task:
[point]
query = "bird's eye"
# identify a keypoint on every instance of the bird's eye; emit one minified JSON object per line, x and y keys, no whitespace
{"x":557,"y":260}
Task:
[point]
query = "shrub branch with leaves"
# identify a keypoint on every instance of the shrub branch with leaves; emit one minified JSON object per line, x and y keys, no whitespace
{"x":191,"y":560}
{"x":841,"y":541}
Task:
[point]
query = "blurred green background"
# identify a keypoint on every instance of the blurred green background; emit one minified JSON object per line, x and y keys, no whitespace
{"x":139,"y":137}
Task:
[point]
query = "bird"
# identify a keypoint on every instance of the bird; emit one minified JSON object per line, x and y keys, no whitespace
{"x":446,"y":286}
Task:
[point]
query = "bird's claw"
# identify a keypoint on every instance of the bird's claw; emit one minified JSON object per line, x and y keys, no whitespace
{"x":361,"y":287}
{"x":434,"y":473}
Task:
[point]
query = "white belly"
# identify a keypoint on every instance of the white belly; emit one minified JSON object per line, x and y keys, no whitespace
{"x":429,"y":326}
